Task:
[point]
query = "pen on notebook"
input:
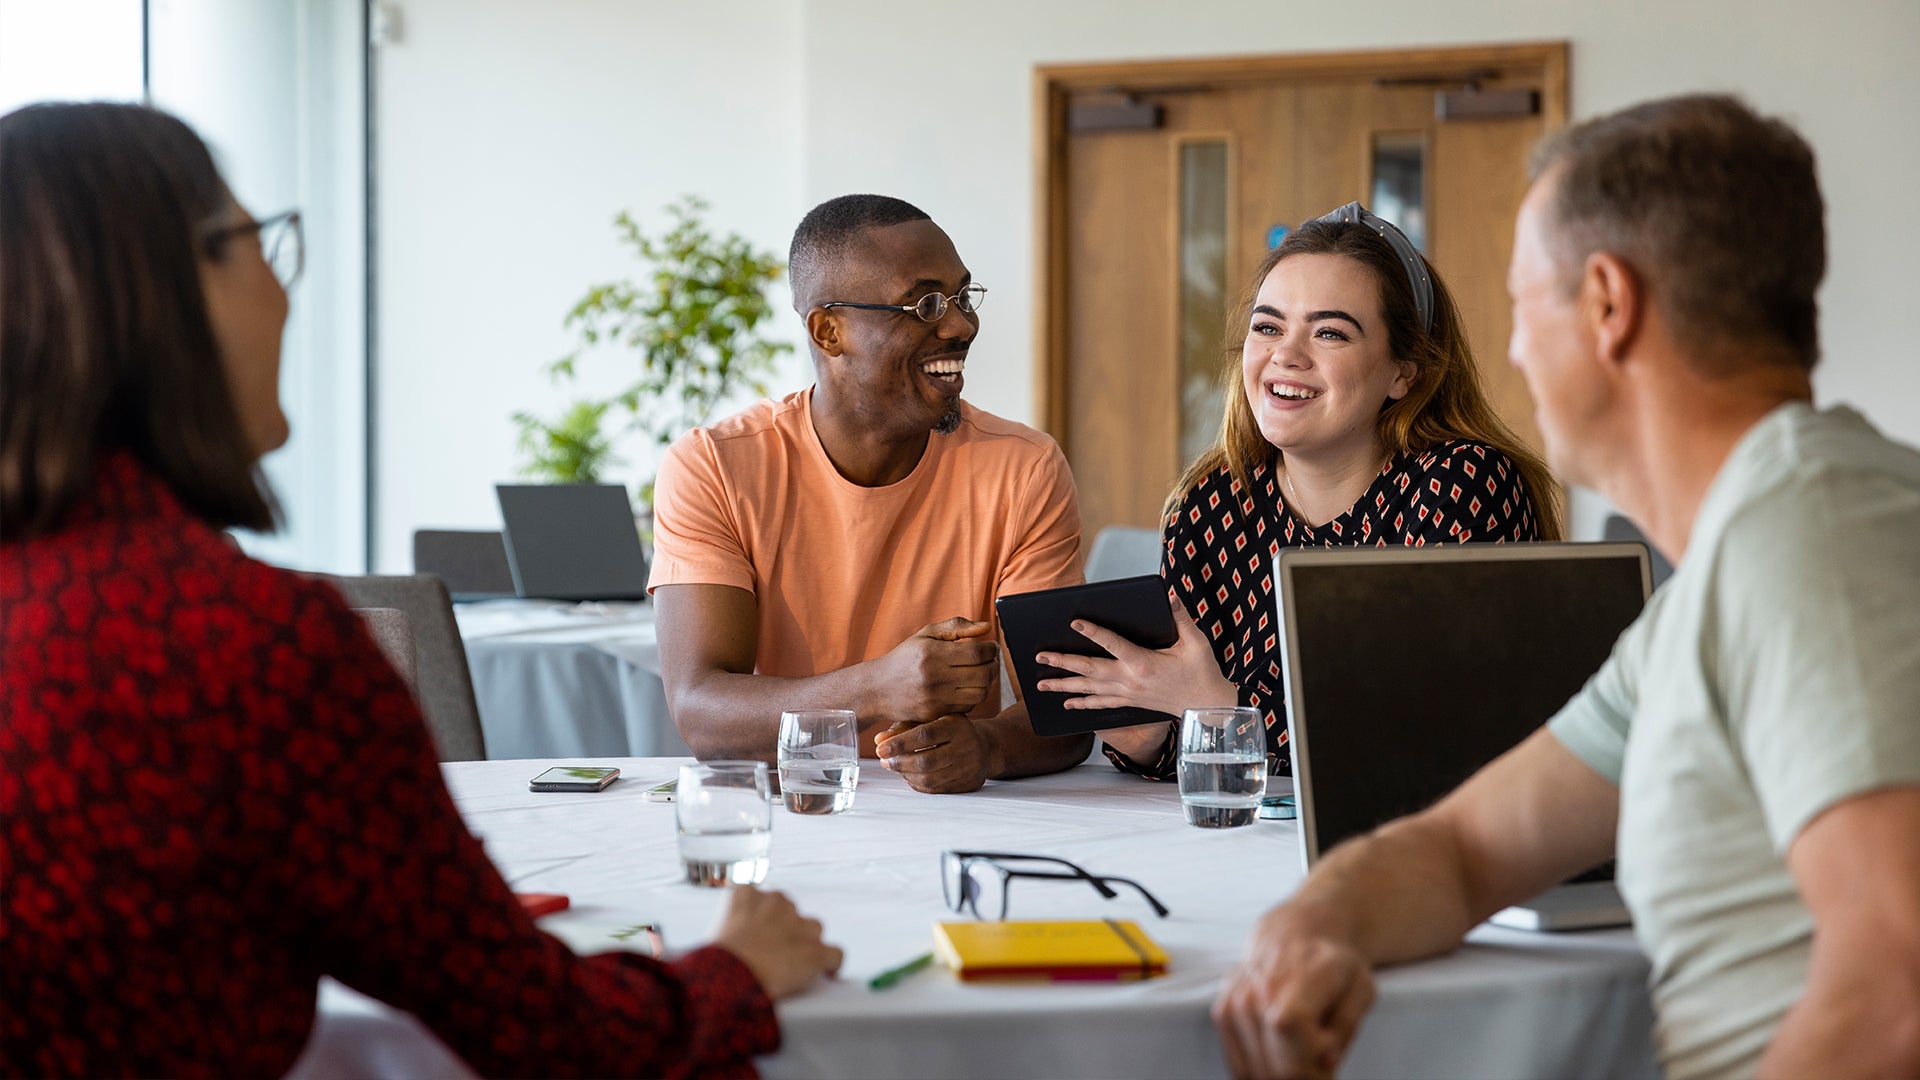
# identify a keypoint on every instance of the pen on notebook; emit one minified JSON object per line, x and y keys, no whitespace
{"x":893,"y":975}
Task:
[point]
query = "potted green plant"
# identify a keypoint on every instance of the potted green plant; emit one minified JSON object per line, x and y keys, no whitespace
{"x":692,"y":324}
{"x":570,"y":450}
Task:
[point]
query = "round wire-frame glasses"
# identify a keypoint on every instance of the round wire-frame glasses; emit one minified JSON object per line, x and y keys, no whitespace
{"x":929,"y":308}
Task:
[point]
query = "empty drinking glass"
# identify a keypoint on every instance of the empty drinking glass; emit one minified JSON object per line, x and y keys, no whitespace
{"x":725,"y":814}
{"x":1223,"y":766}
{"x":819,"y":760}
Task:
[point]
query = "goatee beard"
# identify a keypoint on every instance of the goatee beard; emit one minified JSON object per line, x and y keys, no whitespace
{"x":949,"y":421}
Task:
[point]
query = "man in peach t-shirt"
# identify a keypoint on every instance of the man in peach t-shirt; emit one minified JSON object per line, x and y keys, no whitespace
{"x":842,"y":547}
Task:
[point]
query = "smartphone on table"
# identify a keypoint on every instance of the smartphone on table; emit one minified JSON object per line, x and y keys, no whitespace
{"x":1278,"y":808}
{"x":574,"y":778}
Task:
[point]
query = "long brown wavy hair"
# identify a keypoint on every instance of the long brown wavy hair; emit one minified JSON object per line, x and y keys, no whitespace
{"x":1445,"y":400}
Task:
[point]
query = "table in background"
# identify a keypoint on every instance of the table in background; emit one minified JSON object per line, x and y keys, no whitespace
{"x":1508,"y":1004}
{"x":564,"y":680}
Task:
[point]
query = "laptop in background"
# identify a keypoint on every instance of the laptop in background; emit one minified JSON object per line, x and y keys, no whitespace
{"x":572,"y":542}
{"x":1408,"y":669}
{"x":471,"y":562}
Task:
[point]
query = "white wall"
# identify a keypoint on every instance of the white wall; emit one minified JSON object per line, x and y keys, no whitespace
{"x":508,"y":134}
{"x":822,"y":97}
{"x":68,"y":50}
{"x":275,"y":87}
{"x":1847,"y":73}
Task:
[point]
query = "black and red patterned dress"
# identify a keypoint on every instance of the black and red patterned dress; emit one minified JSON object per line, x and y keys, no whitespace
{"x":1219,"y":550}
{"x":213,"y":790}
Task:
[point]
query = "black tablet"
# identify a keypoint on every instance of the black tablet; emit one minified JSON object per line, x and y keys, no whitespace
{"x":1036,"y":622}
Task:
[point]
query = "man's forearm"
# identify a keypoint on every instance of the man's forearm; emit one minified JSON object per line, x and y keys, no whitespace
{"x":1414,"y":887}
{"x":1014,"y":750}
{"x":727,"y":715}
{"x":1400,"y":893}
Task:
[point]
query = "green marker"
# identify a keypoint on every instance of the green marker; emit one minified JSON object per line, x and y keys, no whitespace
{"x":893,"y":975}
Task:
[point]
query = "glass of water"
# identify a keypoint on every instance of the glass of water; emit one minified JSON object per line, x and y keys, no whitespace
{"x":1223,"y":766}
{"x":725,"y":813}
{"x":819,"y":760}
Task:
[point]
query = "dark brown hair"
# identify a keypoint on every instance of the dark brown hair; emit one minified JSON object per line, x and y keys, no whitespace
{"x":1715,"y":207}
{"x":1444,"y":401}
{"x":105,"y":343}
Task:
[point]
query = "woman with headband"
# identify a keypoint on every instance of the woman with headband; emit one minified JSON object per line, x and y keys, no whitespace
{"x":1360,"y":422}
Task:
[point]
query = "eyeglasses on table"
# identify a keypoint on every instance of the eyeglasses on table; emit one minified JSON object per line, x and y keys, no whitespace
{"x":979,"y":881}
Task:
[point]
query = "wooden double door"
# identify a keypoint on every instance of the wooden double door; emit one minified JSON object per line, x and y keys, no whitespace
{"x":1162,"y":185}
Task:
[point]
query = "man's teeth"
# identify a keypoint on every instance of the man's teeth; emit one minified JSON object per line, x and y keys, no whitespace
{"x":944,"y":369}
{"x":1294,"y":393}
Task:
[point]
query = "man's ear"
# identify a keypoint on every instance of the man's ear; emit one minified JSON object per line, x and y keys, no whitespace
{"x":1613,"y":304}
{"x":824,"y":331}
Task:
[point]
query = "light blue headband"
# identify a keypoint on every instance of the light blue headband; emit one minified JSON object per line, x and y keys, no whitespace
{"x":1417,"y":276}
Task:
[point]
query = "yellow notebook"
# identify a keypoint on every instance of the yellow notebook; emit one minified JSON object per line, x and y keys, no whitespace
{"x":1054,"y":950}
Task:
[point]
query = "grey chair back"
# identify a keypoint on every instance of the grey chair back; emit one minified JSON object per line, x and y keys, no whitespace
{"x":393,"y":632}
{"x":443,"y":685}
{"x":1123,"y":551}
{"x":1618,"y":527}
{"x":472,"y":562}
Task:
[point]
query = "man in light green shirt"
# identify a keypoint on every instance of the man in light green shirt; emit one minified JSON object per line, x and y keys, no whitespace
{"x":1751,"y":751}
{"x":1778,"y":677}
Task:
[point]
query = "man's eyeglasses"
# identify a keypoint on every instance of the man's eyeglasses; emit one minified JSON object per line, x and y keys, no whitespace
{"x":977,"y":881}
{"x":931,"y":307}
{"x":281,"y":243}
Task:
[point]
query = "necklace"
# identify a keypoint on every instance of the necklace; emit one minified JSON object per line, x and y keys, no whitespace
{"x":1286,"y":474}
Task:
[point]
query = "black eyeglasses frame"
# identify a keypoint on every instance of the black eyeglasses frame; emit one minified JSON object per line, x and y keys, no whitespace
{"x":955,"y":864}
{"x":213,"y":240}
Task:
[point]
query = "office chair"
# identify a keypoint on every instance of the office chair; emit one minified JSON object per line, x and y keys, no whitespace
{"x":1617,"y":527}
{"x":443,"y":685}
{"x":1123,"y":551}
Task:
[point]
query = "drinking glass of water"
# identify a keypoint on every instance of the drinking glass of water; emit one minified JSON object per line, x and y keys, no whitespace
{"x":725,"y":814}
{"x":819,"y":760}
{"x":1223,"y":766}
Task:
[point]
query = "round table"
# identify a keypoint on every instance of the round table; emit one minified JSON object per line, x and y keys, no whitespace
{"x":1509,"y":1003}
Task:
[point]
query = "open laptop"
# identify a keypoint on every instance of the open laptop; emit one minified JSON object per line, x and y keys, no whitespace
{"x":1408,"y":669}
{"x":572,"y":541}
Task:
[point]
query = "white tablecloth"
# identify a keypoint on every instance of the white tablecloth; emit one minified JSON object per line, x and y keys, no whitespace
{"x":563,"y":680}
{"x":1508,"y":1004}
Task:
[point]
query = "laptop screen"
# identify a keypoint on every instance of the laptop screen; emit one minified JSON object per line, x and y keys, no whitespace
{"x":1409,"y":669}
{"x":572,"y":541}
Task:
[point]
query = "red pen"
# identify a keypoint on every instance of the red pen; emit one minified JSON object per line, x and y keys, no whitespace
{"x":540,"y":903}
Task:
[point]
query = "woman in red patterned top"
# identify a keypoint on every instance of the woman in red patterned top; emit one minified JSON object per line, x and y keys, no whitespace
{"x":1354,"y":417}
{"x":213,"y":790}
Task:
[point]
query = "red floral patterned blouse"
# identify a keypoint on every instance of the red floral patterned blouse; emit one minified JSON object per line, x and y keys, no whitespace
{"x":213,"y":790}
{"x":1219,"y":548}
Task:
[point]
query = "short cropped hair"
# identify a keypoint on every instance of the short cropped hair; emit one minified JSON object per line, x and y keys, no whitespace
{"x":829,"y":230}
{"x":1717,"y":209}
{"x":105,"y":343}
